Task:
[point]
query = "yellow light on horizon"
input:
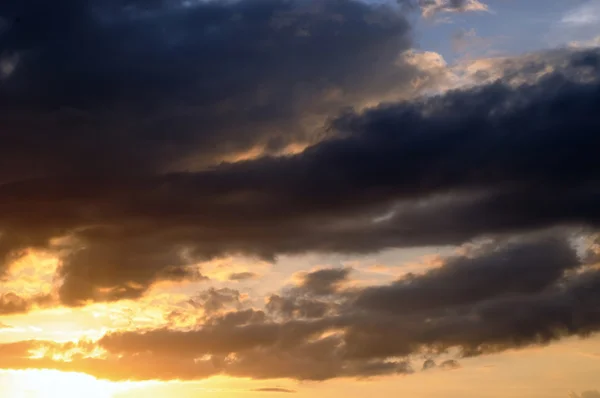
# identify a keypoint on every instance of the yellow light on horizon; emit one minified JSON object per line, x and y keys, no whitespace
{"x":52,"y":384}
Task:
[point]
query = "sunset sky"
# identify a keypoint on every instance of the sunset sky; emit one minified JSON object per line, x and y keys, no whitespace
{"x":311,"y":198}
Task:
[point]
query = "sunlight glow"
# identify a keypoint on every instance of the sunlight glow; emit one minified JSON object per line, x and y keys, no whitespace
{"x":51,"y":384}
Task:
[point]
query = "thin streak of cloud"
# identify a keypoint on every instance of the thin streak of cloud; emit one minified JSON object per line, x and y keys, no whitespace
{"x":430,"y":8}
{"x":274,"y":389}
{"x":584,"y":15}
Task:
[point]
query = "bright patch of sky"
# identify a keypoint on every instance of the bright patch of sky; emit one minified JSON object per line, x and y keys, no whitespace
{"x":511,"y":27}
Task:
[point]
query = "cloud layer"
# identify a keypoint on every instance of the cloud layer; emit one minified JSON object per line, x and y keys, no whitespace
{"x":365,"y":332}
{"x":492,"y":159}
{"x":432,"y":7}
{"x":140,"y":139}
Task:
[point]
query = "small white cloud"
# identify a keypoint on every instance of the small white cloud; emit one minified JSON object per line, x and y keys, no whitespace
{"x":432,"y":7}
{"x":578,"y":27}
{"x":585,"y":15}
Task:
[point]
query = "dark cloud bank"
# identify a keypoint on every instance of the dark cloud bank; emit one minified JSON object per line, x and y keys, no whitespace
{"x":107,"y":99}
{"x":493,"y":159}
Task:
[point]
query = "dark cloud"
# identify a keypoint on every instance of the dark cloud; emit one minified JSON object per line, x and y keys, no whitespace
{"x":105,"y":87}
{"x":489,"y":326}
{"x":106,"y":102}
{"x":242,"y":276}
{"x":99,"y":268}
{"x":513,"y":268}
{"x":350,"y":341}
{"x":325,"y":281}
{"x":108,"y":95}
{"x":274,"y":389}
{"x":214,"y":300}
{"x":238,"y":318}
{"x":12,"y":303}
{"x":312,"y":297}
{"x":488,"y":160}
{"x":297,"y":306}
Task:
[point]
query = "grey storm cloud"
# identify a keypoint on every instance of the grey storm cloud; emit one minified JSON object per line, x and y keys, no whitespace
{"x":106,"y":97}
{"x":128,"y":87}
{"x":487,"y":160}
{"x":524,"y":267}
{"x":97,"y":90}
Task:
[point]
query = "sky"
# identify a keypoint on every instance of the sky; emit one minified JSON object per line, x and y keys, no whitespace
{"x":311,"y":198}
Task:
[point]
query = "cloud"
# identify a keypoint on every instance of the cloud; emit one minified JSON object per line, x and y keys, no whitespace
{"x":429,"y":364}
{"x":274,"y":389}
{"x":578,"y":25}
{"x":172,"y":95}
{"x":450,"y":364}
{"x":585,"y":14}
{"x":432,"y":7}
{"x":492,"y":159}
{"x":296,"y":306}
{"x":325,"y":281}
{"x":366,"y":341}
{"x":513,"y":268}
{"x":495,"y":325}
{"x":313,"y":297}
{"x":107,"y":113}
{"x":117,"y":123}
{"x":242,"y":276}
{"x":11,"y":303}
{"x":349,"y":340}
{"x":214,"y":300}
{"x":99,"y":268}
{"x":8,"y":64}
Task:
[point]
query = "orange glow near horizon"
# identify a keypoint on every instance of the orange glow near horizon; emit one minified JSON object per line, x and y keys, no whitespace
{"x":51,"y":384}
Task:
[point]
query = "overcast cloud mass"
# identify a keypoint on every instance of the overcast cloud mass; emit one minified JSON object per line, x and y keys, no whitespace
{"x":142,"y":141}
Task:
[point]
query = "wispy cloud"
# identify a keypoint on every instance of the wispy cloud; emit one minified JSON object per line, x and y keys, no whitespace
{"x":584,"y":15}
{"x":274,"y":389}
{"x":432,"y":7}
